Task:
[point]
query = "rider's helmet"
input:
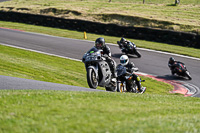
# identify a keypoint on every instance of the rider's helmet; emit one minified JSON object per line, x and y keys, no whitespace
{"x":100,"y":43}
{"x":171,"y":60}
{"x":123,"y":40}
{"x":124,"y":60}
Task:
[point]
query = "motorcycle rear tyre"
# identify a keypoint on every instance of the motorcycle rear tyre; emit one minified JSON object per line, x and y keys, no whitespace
{"x":90,"y":80}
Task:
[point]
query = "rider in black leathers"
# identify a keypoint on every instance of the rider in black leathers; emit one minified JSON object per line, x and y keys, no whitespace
{"x":130,"y":67}
{"x":100,"y":44}
{"x":173,"y":64}
{"x":123,"y":44}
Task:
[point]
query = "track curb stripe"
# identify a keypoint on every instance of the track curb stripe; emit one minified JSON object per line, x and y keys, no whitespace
{"x":11,"y":29}
{"x":179,"y":87}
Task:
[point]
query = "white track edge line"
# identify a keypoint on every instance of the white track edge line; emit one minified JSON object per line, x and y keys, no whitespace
{"x":144,"y":49}
{"x":40,"y":52}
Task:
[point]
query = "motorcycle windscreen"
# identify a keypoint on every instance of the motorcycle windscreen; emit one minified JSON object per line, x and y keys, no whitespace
{"x":130,"y":46}
{"x":181,"y":67}
{"x":121,"y":70}
{"x":93,"y":50}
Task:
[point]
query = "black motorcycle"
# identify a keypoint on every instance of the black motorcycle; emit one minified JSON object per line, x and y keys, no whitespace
{"x":125,"y":81}
{"x":98,"y":70}
{"x":129,"y":49}
{"x":181,"y":70}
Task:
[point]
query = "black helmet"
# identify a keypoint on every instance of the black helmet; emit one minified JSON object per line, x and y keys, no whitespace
{"x":100,"y":43}
{"x":123,"y":40}
{"x":171,"y":60}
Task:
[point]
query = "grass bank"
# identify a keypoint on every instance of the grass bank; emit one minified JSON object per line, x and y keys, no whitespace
{"x":109,"y":39}
{"x":62,"y":111}
{"x":154,"y":13}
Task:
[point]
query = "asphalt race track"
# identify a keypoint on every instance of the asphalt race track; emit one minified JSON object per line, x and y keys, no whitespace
{"x":4,"y":0}
{"x":151,"y":62}
{"x":20,"y":83}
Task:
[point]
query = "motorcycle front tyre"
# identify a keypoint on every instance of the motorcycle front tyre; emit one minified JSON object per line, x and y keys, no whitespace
{"x":188,"y":75}
{"x":138,"y":54}
{"x":120,"y":87}
{"x":91,"y":79}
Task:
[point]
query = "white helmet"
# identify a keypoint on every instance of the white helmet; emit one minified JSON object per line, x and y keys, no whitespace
{"x":124,"y":60}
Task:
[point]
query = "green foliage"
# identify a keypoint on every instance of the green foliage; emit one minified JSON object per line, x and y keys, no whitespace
{"x":64,"y":111}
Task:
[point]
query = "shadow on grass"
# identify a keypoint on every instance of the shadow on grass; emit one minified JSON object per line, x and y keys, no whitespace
{"x":172,"y":4}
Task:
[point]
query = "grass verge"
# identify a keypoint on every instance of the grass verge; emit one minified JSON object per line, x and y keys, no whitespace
{"x":109,"y":39}
{"x":65,"y":111}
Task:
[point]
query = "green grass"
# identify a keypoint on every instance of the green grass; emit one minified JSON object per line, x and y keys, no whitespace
{"x":46,"y":111}
{"x":109,"y":39}
{"x":20,"y":63}
{"x":155,"y":13}
{"x":30,"y":65}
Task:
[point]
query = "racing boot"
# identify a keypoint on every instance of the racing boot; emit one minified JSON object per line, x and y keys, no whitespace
{"x":143,"y":90}
{"x":138,"y":83}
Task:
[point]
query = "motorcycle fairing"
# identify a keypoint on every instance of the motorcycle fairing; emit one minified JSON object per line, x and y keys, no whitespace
{"x":105,"y":73}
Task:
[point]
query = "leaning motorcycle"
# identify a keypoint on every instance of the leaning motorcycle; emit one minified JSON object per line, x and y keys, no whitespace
{"x":181,"y":70}
{"x":98,"y":70}
{"x":129,"y":49}
{"x":125,"y":81}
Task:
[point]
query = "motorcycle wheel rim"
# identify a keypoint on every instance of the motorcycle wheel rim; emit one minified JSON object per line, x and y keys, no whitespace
{"x":94,"y":80}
